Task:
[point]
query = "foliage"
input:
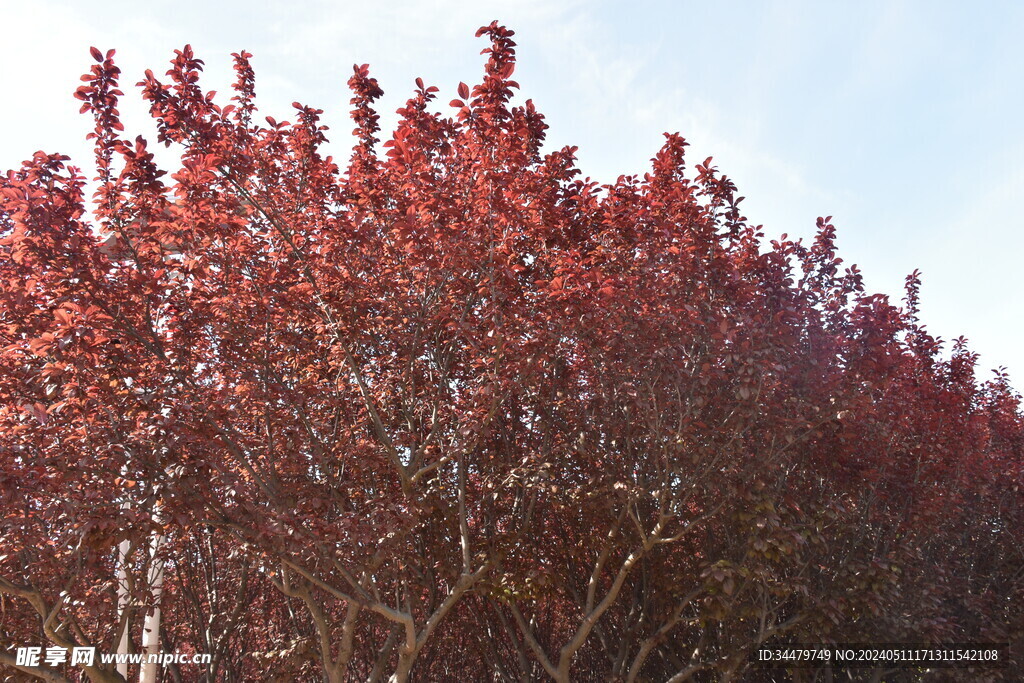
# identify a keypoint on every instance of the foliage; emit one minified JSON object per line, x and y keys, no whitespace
{"x":455,"y":413}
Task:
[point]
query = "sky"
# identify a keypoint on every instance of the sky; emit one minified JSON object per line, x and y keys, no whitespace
{"x":902,"y":120}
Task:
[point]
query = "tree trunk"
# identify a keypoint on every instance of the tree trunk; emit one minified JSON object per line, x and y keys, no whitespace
{"x":151,"y":625}
{"x":122,"y":604}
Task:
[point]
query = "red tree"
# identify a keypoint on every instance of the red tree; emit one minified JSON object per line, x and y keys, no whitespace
{"x":455,"y":413}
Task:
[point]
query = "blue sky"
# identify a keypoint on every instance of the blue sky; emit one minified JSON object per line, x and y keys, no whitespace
{"x":900,"y":119}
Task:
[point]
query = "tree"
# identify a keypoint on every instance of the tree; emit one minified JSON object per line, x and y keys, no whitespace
{"x":456,"y":412}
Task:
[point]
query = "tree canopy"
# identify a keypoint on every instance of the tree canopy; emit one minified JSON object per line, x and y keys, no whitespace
{"x":454,"y":412}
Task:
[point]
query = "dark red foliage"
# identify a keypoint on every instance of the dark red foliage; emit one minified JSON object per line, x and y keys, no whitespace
{"x":453,"y":413}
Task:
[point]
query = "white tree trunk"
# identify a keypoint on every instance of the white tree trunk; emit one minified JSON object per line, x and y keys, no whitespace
{"x":122,"y":603}
{"x":151,"y":625}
